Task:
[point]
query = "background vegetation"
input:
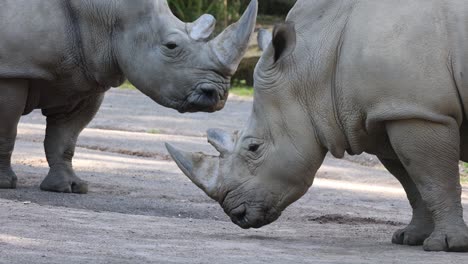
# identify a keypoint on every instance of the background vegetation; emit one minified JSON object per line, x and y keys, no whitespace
{"x":225,"y":11}
{"x":228,"y":11}
{"x":275,"y":7}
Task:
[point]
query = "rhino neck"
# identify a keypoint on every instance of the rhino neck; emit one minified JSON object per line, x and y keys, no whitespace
{"x":93,"y":24}
{"x":319,"y":25}
{"x":321,"y":111}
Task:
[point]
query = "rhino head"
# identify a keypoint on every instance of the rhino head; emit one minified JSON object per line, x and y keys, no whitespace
{"x":270,"y":163}
{"x":178,"y":64}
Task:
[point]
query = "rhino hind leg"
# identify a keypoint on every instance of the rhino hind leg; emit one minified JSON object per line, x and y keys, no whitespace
{"x":63,"y":129}
{"x":421,"y":225}
{"x":430,"y":154}
{"x":13,"y":96}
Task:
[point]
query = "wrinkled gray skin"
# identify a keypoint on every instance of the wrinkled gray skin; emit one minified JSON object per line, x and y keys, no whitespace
{"x":61,"y":56}
{"x":382,"y":77}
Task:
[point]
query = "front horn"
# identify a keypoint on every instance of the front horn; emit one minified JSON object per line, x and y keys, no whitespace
{"x":200,"y":168}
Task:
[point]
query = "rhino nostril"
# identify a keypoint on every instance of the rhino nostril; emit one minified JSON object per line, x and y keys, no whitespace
{"x":239,"y":213}
{"x":210,"y":93}
{"x":206,"y":98}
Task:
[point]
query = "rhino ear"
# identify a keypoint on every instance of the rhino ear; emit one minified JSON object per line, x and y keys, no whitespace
{"x":264,"y":39}
{"x":202,"y":28}
{"x":221,"y":140}
{"x":284,"y":40}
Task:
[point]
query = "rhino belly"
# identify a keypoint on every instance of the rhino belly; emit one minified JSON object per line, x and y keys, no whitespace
{"x":32,"y":101}
{"x":458,"y":39}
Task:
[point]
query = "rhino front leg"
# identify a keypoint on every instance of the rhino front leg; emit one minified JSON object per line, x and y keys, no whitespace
{"x":430,"y":153}
{"x":13,"y":96}
{"x":61,"y":136}
{"x":421,"y":225}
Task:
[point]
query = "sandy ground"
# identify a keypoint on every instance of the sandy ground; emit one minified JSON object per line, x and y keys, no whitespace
{"x":141,"y":209}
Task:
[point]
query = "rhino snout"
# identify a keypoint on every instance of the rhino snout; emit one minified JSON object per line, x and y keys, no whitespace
{"x":206,"y":99}
{"x":253,"y":217}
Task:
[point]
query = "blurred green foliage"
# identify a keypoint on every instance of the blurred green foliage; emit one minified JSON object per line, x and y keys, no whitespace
{"x":240,"y":88}
{"x":225,"y":11}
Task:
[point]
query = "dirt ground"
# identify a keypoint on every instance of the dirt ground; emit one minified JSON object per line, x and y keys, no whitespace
{"x":141,"y":209}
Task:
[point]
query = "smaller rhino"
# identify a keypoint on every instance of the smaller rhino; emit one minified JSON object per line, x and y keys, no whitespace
{"x":383,"y":77}
{"x":61,"y":56}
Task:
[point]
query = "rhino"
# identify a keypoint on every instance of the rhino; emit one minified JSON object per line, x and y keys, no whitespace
{"x":387,"y":78}
{"x":61,"y":56}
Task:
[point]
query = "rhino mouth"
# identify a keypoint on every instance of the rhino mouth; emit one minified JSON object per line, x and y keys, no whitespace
{"x":206,"y":98}
{"x":247,"y":217}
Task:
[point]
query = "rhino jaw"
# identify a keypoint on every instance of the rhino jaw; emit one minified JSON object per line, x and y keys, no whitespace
{"x":200,"y":168}
{"x":231,"y":45}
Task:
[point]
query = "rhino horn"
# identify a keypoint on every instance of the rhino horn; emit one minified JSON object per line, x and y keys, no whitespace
{"x":200,"y":168}
{"x":221,"y":141}
{"x":202,"y":28}
{"x":231,"y":45}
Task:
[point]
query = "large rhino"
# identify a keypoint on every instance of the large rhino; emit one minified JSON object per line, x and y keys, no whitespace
{"x":61,"y":56}
{"x":383,"y":77}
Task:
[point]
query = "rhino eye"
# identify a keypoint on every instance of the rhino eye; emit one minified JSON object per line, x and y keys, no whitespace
{"x":254,"y":147}
{"x":171,"y":46}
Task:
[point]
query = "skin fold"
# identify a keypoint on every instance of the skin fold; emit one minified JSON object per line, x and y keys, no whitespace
{"x":382,"y":77}
{"x":61,"y":56}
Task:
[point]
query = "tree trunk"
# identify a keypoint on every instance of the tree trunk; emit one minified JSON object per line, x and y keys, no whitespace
{"x":276,"y":7}
{"x":226,"y":14}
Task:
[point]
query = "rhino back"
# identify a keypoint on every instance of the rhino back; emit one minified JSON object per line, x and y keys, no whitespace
{"x":34,"y":38}
{"x":394,"y":64}
{"x":396,"y":61}
{"x":383,"y":60}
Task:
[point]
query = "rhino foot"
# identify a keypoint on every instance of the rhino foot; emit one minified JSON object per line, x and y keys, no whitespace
{"x":411,"y":235}
{"x":455,"y":240}
{"x":7,"y":179}
{"x":63,"y":180}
